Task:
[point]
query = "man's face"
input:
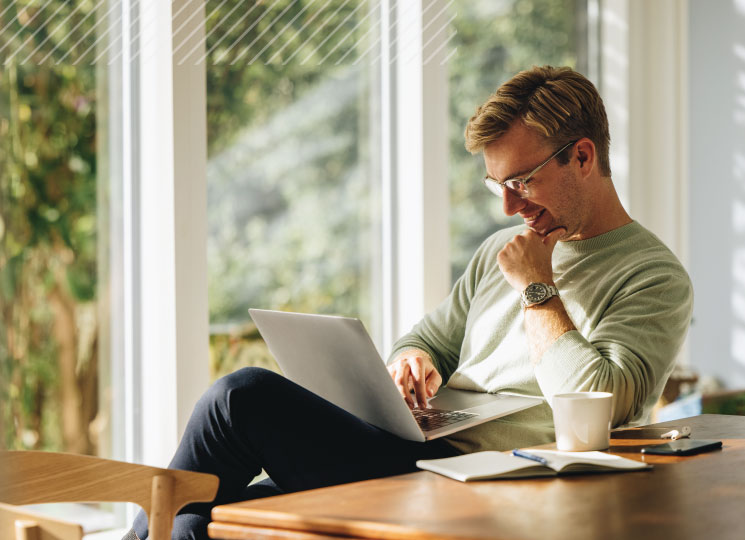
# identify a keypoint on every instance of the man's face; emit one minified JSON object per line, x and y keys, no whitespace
{"x":556,"y":198}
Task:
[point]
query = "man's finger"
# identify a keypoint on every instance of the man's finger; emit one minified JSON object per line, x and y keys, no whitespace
{"x":406,"y":380}
{"x":417,"y":373}
{"x":402,"y":380}
{"x":434,"y":380}
{"x":551,"y":238}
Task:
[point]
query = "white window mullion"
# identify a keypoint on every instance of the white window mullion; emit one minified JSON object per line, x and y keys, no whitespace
{"x":190,"y":181}
{"x":422,"y":262}
{"x":118,"y":189}
{"x":130,"y":351}
{"x":658,"y":124}
{"x":613,"y":81}
{"x":644,"y":81}
{"x":172,"y":149}
{"x":435,"y":193}
{"x":387,"y":153}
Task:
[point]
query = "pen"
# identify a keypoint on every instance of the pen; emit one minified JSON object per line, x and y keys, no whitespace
{"x":526,"y":455}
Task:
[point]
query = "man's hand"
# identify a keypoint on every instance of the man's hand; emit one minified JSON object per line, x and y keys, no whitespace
{"x":526,"y":258}
{"x":414,"y":370}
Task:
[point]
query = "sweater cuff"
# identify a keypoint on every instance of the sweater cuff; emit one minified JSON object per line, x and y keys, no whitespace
{"x":406,"y":348}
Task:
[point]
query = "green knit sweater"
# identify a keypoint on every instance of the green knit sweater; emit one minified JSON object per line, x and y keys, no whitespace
{"x":629,"y":298}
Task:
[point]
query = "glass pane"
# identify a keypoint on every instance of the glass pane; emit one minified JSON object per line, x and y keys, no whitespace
{"x":49,"y":317}
{"x":292,"y":145}
{"x":56,"y":200}
{"x":493,"y":40}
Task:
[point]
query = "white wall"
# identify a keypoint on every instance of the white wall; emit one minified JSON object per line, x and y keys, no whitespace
{"x":717,"y":188}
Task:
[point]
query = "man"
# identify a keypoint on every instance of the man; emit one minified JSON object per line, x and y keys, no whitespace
{"x":580,"y":297}
{"x":617,"y":302}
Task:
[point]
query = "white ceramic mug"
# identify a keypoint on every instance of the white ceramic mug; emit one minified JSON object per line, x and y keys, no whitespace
{"x":582,"y":420}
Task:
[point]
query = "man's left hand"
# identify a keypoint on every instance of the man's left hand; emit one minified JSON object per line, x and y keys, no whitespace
{"x":526,"y":258}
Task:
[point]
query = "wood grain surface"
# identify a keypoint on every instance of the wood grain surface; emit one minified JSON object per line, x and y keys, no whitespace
{"x":29,"y":477}
{"x":15,"y":523}
{"x":699,"y":496}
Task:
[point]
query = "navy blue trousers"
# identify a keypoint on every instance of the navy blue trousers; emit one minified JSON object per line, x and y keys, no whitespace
{"x":254,"y":419}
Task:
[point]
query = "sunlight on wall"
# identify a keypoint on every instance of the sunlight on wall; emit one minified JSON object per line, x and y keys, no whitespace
{"x":615,"y":72}
{"x":738,"y":204}
{"x":717,"y":188}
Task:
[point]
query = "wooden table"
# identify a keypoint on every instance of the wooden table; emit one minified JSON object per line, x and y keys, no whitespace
{"x":693,"y":497}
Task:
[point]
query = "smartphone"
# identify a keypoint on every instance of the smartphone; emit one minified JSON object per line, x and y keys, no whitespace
{"x":682,"y":447}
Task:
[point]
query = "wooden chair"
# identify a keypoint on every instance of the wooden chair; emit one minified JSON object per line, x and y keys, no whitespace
{"x":19,"y":524}
{"x":28,"y":477}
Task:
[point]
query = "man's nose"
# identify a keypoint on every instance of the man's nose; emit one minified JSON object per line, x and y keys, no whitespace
{"x":511,"y":203}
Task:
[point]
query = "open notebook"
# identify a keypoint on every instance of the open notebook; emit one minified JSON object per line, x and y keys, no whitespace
{"x":496,"y":465}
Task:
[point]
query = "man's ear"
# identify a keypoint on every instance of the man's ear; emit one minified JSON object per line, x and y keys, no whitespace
{"x":586,"y":156}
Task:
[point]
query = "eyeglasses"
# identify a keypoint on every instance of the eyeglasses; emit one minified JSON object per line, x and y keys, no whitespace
{"x":519,"y":186}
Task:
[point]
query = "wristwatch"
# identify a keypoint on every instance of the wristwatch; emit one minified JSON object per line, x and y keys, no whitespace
{"x":537,"y":293}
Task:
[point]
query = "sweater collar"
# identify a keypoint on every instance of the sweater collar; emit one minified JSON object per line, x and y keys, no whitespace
{"x":609,"y":239}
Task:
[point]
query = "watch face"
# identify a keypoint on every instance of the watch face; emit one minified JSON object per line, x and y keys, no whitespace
{"x":536,"y":293}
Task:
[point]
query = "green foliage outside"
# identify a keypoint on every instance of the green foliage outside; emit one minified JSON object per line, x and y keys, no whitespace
{"x":290,"y":191}
{"x":48,"y":327}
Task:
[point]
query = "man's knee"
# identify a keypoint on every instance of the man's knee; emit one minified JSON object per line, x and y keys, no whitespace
{"x":240,"y":389}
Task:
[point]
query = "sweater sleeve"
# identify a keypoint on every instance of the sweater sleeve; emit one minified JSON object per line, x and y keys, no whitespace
{"x":632,"y":349}
{"x":441,"y":332}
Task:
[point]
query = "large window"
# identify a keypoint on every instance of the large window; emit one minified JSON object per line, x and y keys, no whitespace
{"x":292,"y":214}
{"x":301,"y":108}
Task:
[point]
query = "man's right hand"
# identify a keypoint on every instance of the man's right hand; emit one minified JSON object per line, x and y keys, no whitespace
{"x":414,"y":370}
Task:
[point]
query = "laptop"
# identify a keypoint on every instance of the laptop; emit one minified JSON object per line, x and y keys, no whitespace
{"x":335,"y":358}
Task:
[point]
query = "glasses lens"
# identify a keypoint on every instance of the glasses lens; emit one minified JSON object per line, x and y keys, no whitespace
{"x":517,"y":188}
{"x":493,"y":186}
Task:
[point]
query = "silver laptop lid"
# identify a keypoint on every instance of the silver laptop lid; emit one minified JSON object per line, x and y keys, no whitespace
{"x":314,"y":351}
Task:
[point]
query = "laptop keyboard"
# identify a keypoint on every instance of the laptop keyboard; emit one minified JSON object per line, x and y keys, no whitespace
{"x":429,"y":419}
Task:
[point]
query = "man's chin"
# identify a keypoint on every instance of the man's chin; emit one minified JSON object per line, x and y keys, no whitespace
{"x":543,"y":231}
{"x":543,"y":224}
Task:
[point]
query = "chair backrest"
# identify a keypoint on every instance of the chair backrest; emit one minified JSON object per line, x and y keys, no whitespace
{"x":20,"y":524}
{"x":28,"y":477}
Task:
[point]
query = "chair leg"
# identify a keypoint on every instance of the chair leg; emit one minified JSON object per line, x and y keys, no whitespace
{"x":160,"y":520}
{"x":27,"y":530}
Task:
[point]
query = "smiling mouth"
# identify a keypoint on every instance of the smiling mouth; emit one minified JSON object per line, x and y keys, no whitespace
{"x":532,"y":218}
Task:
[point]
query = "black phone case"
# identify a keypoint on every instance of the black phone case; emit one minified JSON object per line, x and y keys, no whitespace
{"x":682,"y":447}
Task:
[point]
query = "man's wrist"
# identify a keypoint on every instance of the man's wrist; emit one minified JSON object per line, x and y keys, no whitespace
{"x":415,"y":351}
{"x":537,"y":293}
{"x":549,"y":304}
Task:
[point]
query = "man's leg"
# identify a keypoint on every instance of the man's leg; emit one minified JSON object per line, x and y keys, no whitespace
{"x":254,"y":419}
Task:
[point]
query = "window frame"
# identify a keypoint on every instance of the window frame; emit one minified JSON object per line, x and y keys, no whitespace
{"x":158,"y":271}
{"x":417,"y":258}
{"x":644,"y":83}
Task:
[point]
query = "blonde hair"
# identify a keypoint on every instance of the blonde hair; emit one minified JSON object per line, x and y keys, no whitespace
{"x":559,"y":103}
